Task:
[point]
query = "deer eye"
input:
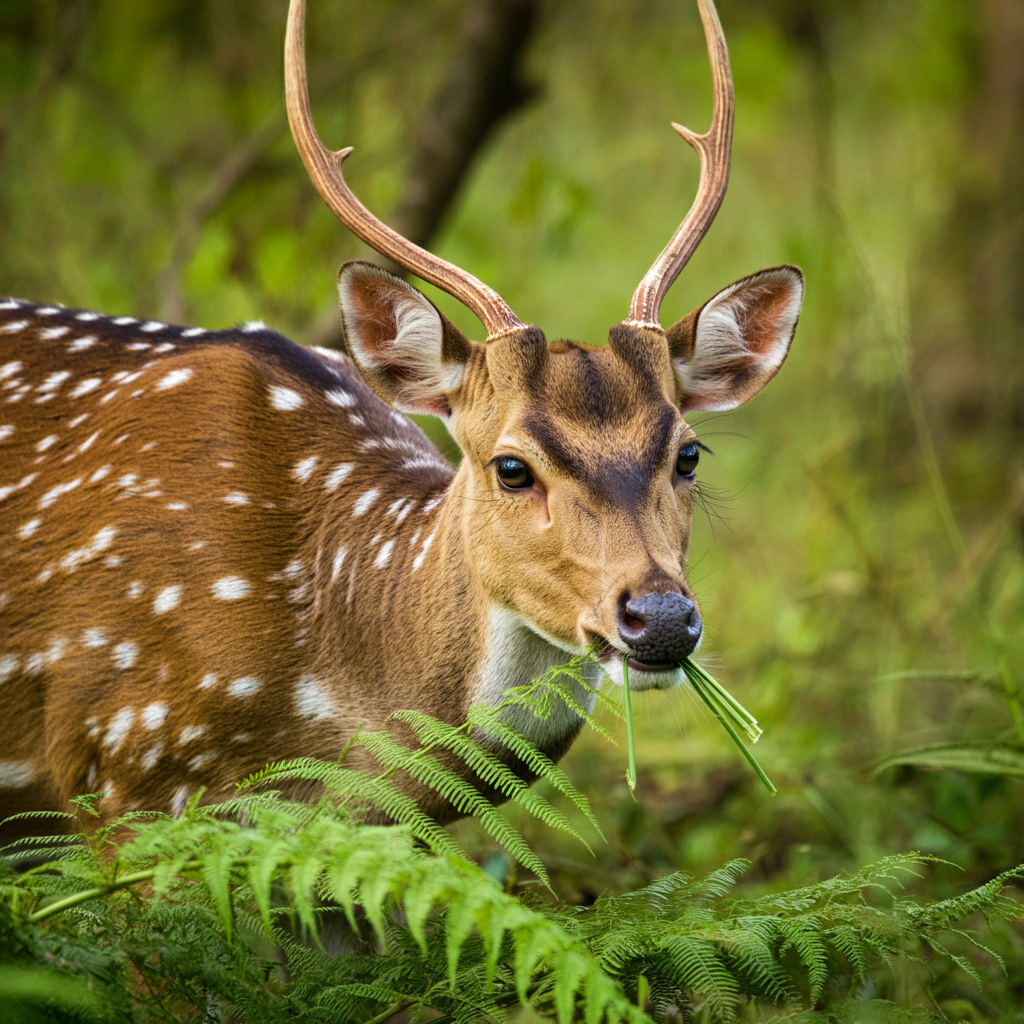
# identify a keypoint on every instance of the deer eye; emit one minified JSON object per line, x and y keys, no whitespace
{"x":686,"y":464}
{"x":513,"y":473}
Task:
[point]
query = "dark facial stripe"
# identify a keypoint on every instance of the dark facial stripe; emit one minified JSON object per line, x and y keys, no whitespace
{"x":618,"y":477}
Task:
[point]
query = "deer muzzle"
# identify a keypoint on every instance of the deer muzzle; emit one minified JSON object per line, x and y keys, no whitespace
{"x":659,"y":629}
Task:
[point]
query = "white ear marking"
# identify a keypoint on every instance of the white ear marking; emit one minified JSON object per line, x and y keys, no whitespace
{"x":741,"y":338}
{"x":392,"y":329}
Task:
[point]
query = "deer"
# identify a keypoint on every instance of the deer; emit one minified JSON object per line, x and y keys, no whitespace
{"x":222,"y":548}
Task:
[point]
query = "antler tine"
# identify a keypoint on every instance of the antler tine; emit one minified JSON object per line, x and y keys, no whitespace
{"x":714,"y":148}
{"x":325,"y":171}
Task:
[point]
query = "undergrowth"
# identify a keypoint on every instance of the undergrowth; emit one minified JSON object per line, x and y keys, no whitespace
{"x":263,"y":909}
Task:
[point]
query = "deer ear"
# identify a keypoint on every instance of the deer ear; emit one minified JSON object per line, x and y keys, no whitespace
{"x":409,"y":354}
{"x":726,"y":351}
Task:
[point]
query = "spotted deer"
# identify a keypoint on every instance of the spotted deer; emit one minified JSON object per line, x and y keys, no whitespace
{"x":220,"y":548}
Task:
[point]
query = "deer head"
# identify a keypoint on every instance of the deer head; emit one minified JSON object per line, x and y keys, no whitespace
{"x":576,"y":492}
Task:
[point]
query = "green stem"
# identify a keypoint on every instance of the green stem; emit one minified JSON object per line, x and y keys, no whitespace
{"x":402,"y":1004}
{"x":630,"y":745}
{"x":1013,"y":699}
{"x":744,"y":750}
{"x":90,"y":894}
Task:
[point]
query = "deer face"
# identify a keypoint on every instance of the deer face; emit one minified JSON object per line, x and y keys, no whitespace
{"x":577,"y":486}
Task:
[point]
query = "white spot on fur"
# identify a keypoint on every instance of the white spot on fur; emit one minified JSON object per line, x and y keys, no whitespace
{"x":25,"y":481}
{"x":364,"y":501}
{"x":312,"y":701}
{"x":88,"y":442}
{"x":125,"y":654}
{"x":103,"y":539}
{"x":6,"y":430}
{"x":432,"y":504}
{"x":151,"y":756}
{"x":118,"y":729}
{"x":46,"y":442}
{"x":87,"y":316}
{"x":154,"y":715}
{"x":190,"y":733}
{"x":285,"y":399}
{"x":304,"y":469}
{"x":384,"y":555}
{"x":199,"y":760}
{"x":341,"y":398}
{"x":150,"y":326}
{"x":100,"y":474}
{"x":16,"y":774}
{"x":135,"y":590}
{"x":418,"y":560}
{"x":236,"y":498}
{"x":29,"y":528}
{"x":178,"y":801}
{"x":81,"y":344}
{"x":339,"y":558}
{"x":173,"y":379}
{"x":55,"y":492}
{"x":167,"y":599}
{"x":245,"y":687}
{"x":208,"y":681}
{"x":83,"y":387}
{"x":14,"y":325}
{"x":54,"y":381}
{"x":95,"y":637}
{"x":49,"y":333}
{"x":8,"y":665}
{"x":230,"y":588}
{"x":337,"y":475}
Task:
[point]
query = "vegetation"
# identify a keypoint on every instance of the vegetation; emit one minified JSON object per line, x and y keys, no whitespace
{"x":860,"y":569}
{"x":151,"y":918}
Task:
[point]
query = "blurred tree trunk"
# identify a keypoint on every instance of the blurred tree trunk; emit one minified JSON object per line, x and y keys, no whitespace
{"x":484,"y":84}
{"x":999,"y":273}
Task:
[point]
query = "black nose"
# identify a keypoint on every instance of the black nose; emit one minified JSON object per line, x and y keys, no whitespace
{"x":660,"y":629}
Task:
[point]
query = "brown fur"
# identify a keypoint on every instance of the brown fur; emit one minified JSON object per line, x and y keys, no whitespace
{"x":191,"y":587}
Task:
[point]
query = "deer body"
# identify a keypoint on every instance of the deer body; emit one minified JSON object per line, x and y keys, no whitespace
{"x":253,"y":595}
{"x":222,"y":549}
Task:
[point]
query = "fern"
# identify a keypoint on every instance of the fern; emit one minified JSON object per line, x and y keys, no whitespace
{"x":180,"y":919}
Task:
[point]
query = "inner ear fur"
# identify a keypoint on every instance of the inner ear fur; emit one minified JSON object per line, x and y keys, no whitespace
{"x":724,"y":352}
{"x":410,"y":354}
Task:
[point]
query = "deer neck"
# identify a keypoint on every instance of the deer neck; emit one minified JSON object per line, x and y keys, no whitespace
{"x":476,"y":651}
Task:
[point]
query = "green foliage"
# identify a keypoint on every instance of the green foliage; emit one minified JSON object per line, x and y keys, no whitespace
{"x":994,"y":758}
{"x":150,"y":917}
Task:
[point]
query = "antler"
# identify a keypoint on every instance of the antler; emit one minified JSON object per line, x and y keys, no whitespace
{"x":325,"y":171}
{"x":714,"y":149}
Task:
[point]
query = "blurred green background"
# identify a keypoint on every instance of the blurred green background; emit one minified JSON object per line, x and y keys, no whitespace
{"x":859,"y":560}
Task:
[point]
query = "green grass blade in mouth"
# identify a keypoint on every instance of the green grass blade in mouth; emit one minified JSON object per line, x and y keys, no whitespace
{"x":630,"y":745}
{"x":729,"y":711}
